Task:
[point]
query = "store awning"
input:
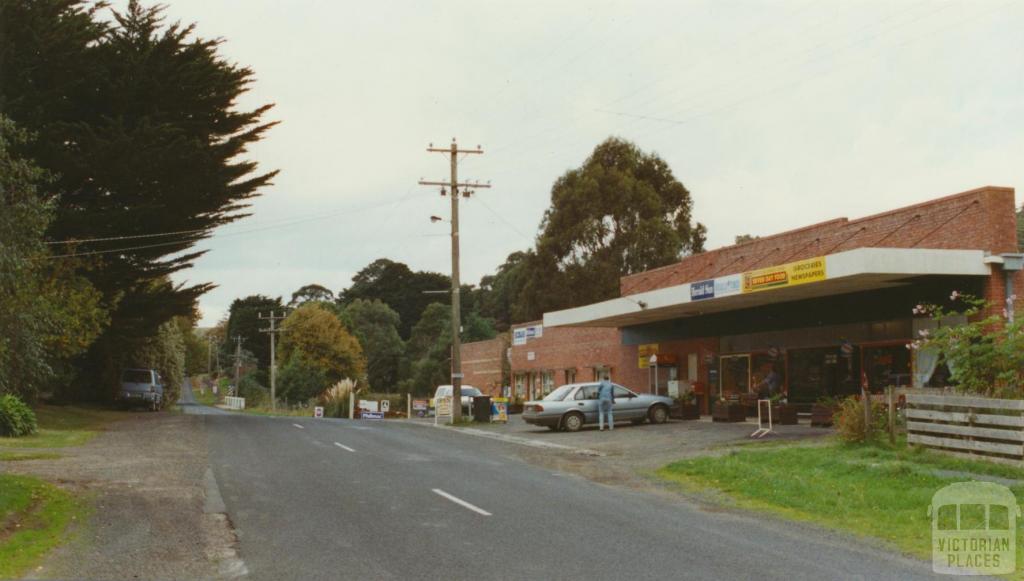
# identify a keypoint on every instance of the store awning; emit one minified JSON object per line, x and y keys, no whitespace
{"x":844,"y":272}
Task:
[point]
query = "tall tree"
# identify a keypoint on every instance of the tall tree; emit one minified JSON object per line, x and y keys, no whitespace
{"x":318,"y":336}
{"x":375,"y":325}
{"x":500,"y":293}
{"x":139,"y":122}
{"x":244,"y":322}
{"x":47,"y":313}
{"x":621,"y":212}
{"x":429,"y":347}
{"x":399,"y":287}
{"x":311,"y":292}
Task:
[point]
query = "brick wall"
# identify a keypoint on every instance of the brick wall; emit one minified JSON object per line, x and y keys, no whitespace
{"x":481,"y":364}
{"x":981,"y":219}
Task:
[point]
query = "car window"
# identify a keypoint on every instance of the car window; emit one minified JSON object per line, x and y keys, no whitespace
{"x":560,"y":393}
{"x":136,"y":376}
{"x":471,"y":391}
{"x":587,"y":392}
{"x":623,"y":392}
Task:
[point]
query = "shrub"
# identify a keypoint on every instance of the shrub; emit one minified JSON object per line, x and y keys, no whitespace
{"x":335,"y":399}
{"x":16,"y":418}
{"x":299,"y":380}
{"x":255,"y":394}
{"x":850,"y":420}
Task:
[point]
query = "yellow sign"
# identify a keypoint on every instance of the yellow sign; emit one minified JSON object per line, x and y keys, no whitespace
{"x":645,"y":352}
{"x":444,"y":406}
{"x":792,"y":274}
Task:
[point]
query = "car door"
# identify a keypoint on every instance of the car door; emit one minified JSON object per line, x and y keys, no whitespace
{"x":586,"y":402}
{"x":627,"y":405}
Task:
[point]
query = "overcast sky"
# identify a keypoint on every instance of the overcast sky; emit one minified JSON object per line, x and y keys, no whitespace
{"x":774,"y":115}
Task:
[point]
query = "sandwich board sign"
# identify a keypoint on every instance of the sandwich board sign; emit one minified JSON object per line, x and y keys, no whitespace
{"x":444,"y":407}
{"x":318,"y":412}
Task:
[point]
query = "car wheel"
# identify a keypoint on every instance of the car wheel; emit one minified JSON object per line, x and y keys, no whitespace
{"x":658,"y":414}
{"x":572,"y":422}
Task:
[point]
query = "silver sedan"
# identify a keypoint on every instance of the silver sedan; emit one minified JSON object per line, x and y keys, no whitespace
{"x":572,"y":406}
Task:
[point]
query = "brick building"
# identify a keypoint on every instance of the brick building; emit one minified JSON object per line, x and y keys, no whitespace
{"x":826,"y":307}
{"x":482,"y":364}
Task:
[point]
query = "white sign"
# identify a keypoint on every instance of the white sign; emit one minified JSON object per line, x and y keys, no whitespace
{"x":368,"y":405}
{"x":318,"y":412}
{"x":652,"y":360}
{"x":530,"y":355}
{"x":385,"y":405}
{"x":523,"y":334}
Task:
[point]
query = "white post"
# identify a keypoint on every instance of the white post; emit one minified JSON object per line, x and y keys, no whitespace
{"x":408,"y":405}
{"x":351,"y":405}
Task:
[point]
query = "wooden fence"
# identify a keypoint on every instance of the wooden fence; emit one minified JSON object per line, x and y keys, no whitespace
{"x":992,"y":428}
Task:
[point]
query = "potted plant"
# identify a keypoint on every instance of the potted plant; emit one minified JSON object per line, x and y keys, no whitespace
{"x":685,"y":407}
{"x":783,"y":413}
{"x":823,"y":410}
{"x":726,"y":410}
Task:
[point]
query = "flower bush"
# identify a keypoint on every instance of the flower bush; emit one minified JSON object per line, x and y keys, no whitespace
{"x":985,"y":356}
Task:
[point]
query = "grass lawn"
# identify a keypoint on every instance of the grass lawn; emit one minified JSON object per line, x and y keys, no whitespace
{"x":63,"y":426}
{"x":33,"y":519}
{"x":875,"y":491}
{"x":7,"y":456}
{"x":281,"y":411}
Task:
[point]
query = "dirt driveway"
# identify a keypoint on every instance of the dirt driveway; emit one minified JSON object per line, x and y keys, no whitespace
{"x":146,"y":479}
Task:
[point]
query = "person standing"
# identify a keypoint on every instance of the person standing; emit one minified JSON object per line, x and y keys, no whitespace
{"x":605,"y":401}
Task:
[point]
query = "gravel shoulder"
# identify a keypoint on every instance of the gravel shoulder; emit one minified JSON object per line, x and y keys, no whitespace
{"x":146,"y":479}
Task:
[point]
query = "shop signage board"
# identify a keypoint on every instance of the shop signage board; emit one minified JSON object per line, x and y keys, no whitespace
{"x":715,"y":288}
{"x":499,"y":409}
{"x":523,"y":334}
{"x":785,"y":275}
{"x":703,"y":289}
{"x":645,"y":352}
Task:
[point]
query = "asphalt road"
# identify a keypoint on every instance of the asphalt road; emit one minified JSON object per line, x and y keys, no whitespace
{"x":334,"y":499}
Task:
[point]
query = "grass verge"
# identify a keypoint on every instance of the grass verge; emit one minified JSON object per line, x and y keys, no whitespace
{"x":63,"y":426}
{"x":873,"y":490}
{"x":7,"y":456}
{"x":33,"y":519}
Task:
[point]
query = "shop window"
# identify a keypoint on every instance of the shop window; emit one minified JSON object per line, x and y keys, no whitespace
{"x":735,"y":375}
{"x":520,"y":385}
{"x":887,"y":365}
{"x":547,"y":382}
{"x":816,"y":373}
{"x":761,"y":366}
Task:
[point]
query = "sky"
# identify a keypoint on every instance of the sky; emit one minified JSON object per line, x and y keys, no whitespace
{"x":774,"y":115}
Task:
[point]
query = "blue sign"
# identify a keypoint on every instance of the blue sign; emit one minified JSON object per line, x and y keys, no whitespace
{"x":372,"y":415}
{"x":701,"y":290}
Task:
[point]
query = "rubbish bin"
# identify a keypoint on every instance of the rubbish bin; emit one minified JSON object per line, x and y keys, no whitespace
{"x":482,"y":408}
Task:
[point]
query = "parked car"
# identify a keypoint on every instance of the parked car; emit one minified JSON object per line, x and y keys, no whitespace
{"x":572,"y":406}
{"x":468,"y":393}
{"x":141,"y":387}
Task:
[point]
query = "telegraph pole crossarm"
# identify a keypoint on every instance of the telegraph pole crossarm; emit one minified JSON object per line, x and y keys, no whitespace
{"x":454,"y":186}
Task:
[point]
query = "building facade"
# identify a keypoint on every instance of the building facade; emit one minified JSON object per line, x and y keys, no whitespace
{"x":827,"y":307}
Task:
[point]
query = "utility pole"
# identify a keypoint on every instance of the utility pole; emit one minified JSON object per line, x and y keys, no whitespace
{"x":273,"y":331}
{"x":456,"y":189}
{"x":238,"y":362}
{"x":209,"y":356}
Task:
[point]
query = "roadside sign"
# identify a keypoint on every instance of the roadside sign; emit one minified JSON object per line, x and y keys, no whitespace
{"x":372,"y":415}
{"x":385,"y":405}
{"x":368,"y":405}
{"x":499,"y":409}
{"x":458,"y":376}
{"x":419,"y":407}
{"x":443,"y":407}
{"x":318,"y":412}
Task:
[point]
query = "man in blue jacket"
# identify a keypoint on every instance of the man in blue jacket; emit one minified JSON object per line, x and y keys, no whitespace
{"x":605,"y":401}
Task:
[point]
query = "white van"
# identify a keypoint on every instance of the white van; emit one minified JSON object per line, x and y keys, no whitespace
{"x":468,"y":393}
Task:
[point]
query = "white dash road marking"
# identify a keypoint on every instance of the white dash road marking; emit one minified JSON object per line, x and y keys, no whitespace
{"x":299,"y":426}
{"x":344,"y":447}
{"x":460,"y":502}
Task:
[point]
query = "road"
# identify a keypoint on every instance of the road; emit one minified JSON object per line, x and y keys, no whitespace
{"x":336,"y":499}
